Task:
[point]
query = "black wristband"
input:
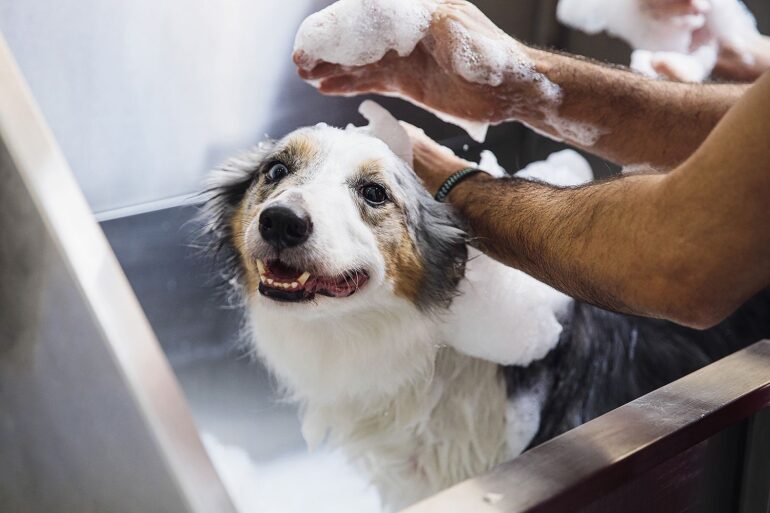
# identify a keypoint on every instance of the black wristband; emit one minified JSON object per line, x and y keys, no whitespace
{"x":453,"y":180}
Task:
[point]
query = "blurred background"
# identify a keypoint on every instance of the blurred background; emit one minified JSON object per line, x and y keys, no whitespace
{"x":145,"y":97}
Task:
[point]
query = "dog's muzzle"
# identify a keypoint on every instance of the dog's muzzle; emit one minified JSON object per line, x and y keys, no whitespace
{"x":283,"y":226}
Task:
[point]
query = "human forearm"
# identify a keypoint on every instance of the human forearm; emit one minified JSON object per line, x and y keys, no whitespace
{"x":744,"y":64}
{"x":624,"y":117}
{"x":627,"y":245}
{"x":690,"y":245}
{"x":597,"y":243}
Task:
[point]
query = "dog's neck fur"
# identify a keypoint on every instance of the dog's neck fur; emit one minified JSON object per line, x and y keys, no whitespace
{"x":427,"y":436}
{"x":441,"y":420}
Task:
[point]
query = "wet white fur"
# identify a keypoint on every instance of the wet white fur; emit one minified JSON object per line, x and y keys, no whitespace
{"x":374,"y":374}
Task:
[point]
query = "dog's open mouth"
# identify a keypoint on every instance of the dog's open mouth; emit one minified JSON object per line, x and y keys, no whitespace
{"x":282,"y":282}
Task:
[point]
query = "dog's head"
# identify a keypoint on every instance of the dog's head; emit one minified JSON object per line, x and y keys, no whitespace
{"x":331,"y":224}
{"x":325,"y":219}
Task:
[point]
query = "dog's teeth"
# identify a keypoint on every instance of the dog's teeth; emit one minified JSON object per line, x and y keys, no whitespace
{"x":303,"y":279}
{"x":294,"y":284}
{"x":286,"y":285}
{"x":270,"y":281}
{"x":260,"y":266}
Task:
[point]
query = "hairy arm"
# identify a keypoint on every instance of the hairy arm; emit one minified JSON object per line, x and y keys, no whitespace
{"x":608,"y":111}
{"x":690,"y":246}
{"x":638,"y":120}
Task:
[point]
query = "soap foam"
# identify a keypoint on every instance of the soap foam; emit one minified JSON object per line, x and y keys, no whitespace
{"x":661,"y":39}
{"x":530,"y":324}
{"x":385,"y":127}
{"x":321,"y":482}
{"x":477,"y":130}
{"x":485,"y":60}
{"x":359,"y":32}
{"x":490,"y":165}
{"x":625,"y":19}
{"x":576,"y":132}
{"x":694,"y":67}
{"x":733,"y":23}
{"x":564,"y":168}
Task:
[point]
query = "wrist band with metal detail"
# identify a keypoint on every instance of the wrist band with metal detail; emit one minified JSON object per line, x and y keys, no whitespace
{"x":453,"y":180}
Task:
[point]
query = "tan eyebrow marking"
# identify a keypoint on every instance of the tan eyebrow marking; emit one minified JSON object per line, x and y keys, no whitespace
{"x":371,"y":167}
{"x":299,"y":152}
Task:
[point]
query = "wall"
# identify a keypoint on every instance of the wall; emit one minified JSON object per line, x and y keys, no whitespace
{"x":144,"y":96}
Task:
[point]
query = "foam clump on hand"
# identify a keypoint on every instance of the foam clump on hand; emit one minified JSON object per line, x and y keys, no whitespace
{"x":488,"y":58}
{"x":354,"y":33}
{"x":490,"y":165}
{"x":564,"y":168}
{"x":360,"y":32}
{"x":666,"y":42}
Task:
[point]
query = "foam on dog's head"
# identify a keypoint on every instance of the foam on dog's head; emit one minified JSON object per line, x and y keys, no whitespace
{"x":385,"y":127}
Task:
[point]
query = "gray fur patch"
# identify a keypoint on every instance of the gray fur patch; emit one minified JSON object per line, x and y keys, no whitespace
{"x":441,"y":244}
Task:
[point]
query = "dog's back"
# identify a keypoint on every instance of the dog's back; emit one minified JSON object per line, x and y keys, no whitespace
{"x":604,"y":360}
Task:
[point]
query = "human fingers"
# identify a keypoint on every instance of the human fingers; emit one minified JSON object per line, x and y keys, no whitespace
{"x":433,"y":163}
{"x":352,"y":84}
{"x":666,"y":70}
{"x":321,"y":70}
{"x":664,"y":9}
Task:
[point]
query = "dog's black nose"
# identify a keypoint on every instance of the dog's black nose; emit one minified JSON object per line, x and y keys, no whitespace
{"x":282,"y":227}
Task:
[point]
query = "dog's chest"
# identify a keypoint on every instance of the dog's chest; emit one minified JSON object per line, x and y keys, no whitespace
{"x":428,"y":438}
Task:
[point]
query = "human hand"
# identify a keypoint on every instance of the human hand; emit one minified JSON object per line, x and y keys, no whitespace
{"x":433,"y":162}
{"x":746,"y":64}
{"x":741,"y":56}
{"x":464,"y":66}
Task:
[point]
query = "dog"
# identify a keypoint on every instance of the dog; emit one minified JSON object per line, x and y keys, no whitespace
{"x":426,"y":361}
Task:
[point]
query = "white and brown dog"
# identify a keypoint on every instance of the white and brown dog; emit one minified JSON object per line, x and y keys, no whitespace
{"x":426,"y":366}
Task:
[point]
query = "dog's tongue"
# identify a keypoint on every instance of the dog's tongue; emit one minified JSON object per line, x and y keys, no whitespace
{"x":337,"y":287}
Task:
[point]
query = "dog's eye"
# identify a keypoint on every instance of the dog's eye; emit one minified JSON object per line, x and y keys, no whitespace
{"x":276,"y":172}
{"x":374,"y":194}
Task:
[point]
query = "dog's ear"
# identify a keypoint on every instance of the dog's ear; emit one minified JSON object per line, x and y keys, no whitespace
{"x":441,"y":244}
{"x":228,"y":183}
{"x":225,"y":188}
